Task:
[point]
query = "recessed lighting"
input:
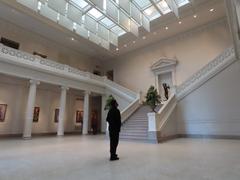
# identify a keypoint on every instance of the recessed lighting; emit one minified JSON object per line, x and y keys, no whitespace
{"x":117,"y":49}
{"x":166,"y":28}
{"x":134,"y":42}
{"x":125,"y":45}
{"x":144,"y":37}
{"x":180,"y":22}
{"x":195,"y":16}
{"x":211,"y":10}
{"x":154,"y":33}
{"x":72,"y":39}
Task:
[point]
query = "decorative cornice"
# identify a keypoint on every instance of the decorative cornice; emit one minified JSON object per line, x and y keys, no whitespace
{"x":207,"y":72}
{"x":163,"y":64}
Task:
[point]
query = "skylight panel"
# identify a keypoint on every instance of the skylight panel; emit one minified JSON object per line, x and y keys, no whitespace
{"x":163,"y":6}
{"x":107,"y":22}
{"x":152,"y":13}
{"x":182,"y":2}
{"x":142,"y":3}
{"x":95,"y":13}
{"x":117,"y":30}
{"x":80,"y":3}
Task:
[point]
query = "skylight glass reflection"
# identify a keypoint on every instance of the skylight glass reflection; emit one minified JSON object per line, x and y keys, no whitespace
{"x":95,"y":13}
{"x":107,"y":22}
{"x":163,"y":6}
{"x":80,"y":3}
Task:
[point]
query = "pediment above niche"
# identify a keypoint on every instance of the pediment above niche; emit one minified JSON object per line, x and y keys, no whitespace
{"x":164,"y":64}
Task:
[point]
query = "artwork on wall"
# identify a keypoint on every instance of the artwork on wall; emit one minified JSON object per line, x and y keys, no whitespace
{"x":36,"y":114}
{"x":56,"y":115}
{"x":3,"y":110}
{"x":79,"y":116}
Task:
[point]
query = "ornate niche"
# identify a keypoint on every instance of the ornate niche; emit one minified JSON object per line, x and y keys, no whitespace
{"x":165,"y":72}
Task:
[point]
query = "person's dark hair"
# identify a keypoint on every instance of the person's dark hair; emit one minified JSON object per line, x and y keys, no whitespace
{"x":114,"y":103}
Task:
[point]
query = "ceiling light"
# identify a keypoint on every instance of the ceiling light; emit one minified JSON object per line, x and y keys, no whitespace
{"x":166,"y":28}
{"x":117,"y":49}
{"x":144,"y":37}
{"x":154,"y":33}
{"x":72,"y":39}
{"x":195,"y":16}
{"x":125,"y":45}
{"x":211,"y":10}
{"x":180,"y":22}
{"x":134,"y":42}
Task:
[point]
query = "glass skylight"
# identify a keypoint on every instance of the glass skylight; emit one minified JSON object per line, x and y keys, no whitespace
{"x":95,"y":13}
{"x":163,"y":6}
{"x":117,"y":30}
{"x":152,"y":13}
{"x":105,"y":20}
{"x":182,"y":2}
{"x":142,"y":3}
{"x":80,"y":3}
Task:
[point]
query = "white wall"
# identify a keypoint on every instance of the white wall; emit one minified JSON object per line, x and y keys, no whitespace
{"x":14,"y":93}
{"x":30,"y":42}
{"x":193,"y":50}
{"x":214,"y":108}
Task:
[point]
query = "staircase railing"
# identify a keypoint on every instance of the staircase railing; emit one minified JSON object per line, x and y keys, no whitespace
{"x":130,"y":109}
{"x":204,"y":74}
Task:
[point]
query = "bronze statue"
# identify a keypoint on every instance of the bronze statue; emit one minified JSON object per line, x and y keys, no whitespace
{"x":166,"y":88}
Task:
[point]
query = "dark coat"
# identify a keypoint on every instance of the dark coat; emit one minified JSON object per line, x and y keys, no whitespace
{"x":114,"y":120}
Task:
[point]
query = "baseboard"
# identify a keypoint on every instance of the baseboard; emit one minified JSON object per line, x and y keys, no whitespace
{"x":167,"y":138}
{"x":200,"y":136}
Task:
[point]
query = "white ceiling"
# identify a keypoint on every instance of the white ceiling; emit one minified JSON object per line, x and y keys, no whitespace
{"x":21,"y":16}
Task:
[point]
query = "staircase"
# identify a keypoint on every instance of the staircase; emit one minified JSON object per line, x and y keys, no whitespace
{"x":136,"y":127}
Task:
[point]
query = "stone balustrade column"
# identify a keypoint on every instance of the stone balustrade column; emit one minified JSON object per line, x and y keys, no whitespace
{"x":63,"y":97}
{"x":27,"y":132}
{"x":86,"y":113}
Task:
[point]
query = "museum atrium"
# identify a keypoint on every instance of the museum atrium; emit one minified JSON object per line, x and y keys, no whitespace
{"x":63,"y":61}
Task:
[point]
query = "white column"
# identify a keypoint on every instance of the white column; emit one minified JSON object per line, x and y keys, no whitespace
{"x":86,"y":112}
{"x":27,"y":132}
{"x":104,"y":114}
{"x":60,"y":131}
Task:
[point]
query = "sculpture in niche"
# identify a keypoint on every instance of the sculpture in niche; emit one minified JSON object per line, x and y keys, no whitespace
{"x":166,"y":88}
{"x":3,"y":110}
{"x":36,"y":114}
{"x":56,"y":115}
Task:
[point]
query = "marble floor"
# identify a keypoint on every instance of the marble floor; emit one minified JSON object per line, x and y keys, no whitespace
{"x":86,"y":158}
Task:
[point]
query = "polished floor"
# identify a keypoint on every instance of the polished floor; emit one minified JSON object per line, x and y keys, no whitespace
{"x":86,"y":158}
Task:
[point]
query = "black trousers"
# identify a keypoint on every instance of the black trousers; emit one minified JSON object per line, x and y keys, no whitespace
{"x":114,"y":139}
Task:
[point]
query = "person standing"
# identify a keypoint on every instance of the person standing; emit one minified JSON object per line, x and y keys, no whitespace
{"x":114,"y":121}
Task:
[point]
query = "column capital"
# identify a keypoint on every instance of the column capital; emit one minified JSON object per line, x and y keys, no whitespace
{"x":64,"y":88}
{"x":34,"y":81}
{"x":87,"y":92}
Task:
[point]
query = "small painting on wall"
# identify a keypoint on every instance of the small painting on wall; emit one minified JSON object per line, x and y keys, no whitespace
{"x":36,"y":114}
{"x":56,"y":115}
{"x":3,"y":110}
{"x":79,"y":116}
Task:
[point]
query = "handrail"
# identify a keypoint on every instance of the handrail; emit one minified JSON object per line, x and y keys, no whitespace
{"x":205,"y":73}
{"x":130,"y":109}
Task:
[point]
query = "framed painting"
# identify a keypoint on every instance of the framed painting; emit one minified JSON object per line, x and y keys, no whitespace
{"x":36,"y":114}
{"x":79,"y":116}
{"x":3,"y":110}
{"x":56,"y":115}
